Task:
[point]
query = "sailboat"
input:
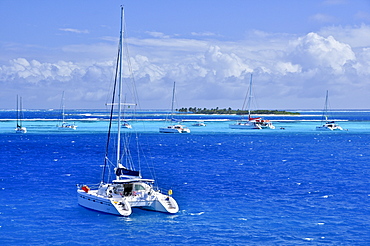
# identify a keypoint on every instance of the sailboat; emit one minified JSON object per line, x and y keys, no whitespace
{"x":252,"y":122}
{"x":199,"y":123}
{"x":328,"y":125}
{"x":128,"y":189}
{"x":20,"y":128}
{"x":64,"y":125}
{"x":126,"y":124}
{"x":174,"y":128}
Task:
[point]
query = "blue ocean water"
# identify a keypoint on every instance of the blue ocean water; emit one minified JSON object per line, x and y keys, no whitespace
{"x":276,"y":187}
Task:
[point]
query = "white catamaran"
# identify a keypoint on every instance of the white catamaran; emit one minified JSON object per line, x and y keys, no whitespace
{"x":174,"y":128}
{"x":252,"y":122}
{"x":64,"y":125}
{"x":19,"y":128}
{"x":128,"y":189}
{"x":328,"y":125}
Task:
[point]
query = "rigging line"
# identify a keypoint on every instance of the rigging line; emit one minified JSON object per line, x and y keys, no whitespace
{"x":247,"y":99}
{"x":149,"y":163}
{"x":173,"y":99}
{"x":17,"y":112}
{"x":21,"y":112}
{"x":138,"y":150}
{"x":129,"y":66}
{"x":127,"y":153}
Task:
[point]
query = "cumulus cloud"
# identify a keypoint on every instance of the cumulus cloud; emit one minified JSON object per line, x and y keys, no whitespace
{"x":313,"y":51}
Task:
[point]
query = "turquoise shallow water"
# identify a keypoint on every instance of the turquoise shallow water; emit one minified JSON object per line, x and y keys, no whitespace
{"x":280,"y":187}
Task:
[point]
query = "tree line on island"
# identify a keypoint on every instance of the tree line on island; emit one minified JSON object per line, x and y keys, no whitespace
{"x":229,"y":110}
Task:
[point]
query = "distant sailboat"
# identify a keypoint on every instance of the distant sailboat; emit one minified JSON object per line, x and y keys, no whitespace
{"x":64,"y":125}
{"x":199,"y":123}
{"x":174,"y":128}
{"x":252,"y":122}
{"x":20,"y":128}
{"x":128,"y":190}
{"x":328,"y":125}
{"x":127,"y":125}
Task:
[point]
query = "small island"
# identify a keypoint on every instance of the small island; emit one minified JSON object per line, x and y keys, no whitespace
{"x":229,"y":110}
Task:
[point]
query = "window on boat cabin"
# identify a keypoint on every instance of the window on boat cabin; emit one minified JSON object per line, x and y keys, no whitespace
{"x":128,"y":189}
{"x":139,"y":187}
{"x":118,"y":189}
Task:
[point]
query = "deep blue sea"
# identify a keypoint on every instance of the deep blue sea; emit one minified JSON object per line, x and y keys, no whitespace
{"x":288,"y":186}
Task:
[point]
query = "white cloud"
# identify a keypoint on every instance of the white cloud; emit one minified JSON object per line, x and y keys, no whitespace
{"x":74,"y":30}
{"x":157,"y":34}
{"x":203,"y":34}
{"x":323,"y":18}
{"x":314,"y":51}
{"x":358,"y":36}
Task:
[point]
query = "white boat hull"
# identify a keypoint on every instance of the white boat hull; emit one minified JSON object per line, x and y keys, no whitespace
{"x":324,"y":128}
{"x":94,"y":202}
{"x":119,"y":204}
{"x":174,"y":129}
{"x":66,"y":126}
{"x":20,"y":130}
{"x":62,"y":128}
{"x":246,"y":125}
{"x":199,"y":124}
{"x":329,"y":127}
{"x":252,"y":125}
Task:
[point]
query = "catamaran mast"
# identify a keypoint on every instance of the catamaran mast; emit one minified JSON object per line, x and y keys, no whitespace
{"x":326,"y":106}
{"x":17,"y":113}
{"x":250,"y":97}
{"x":173,"y":99}
{"x":120,"y":90}
{"x":20,"y":111}
{"x":63,"y":107}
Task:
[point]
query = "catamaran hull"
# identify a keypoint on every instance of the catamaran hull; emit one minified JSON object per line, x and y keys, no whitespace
{"x":21,"y":130}
{"x":329,"y":126}
{"x":67,"y":128}
{"x":324,"y":128}
{"x":164,"y":204}
{"x":251,"y":126}
{"x":99,"y":204}
{"x":172,"y":130}
{"x":269,"y":126}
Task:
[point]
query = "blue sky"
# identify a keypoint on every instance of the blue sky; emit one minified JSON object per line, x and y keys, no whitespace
{"x":296,"y":51}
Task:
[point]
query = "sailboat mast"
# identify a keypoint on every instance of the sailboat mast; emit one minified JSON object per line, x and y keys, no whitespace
{"x":20,"y":112}
{"x":17,"y":112}
{"x":250,"y":97}
{"x":173,"y":99}
{"x":120,"y":90}
{"x":63,"y":107}
{"x":326,"y":105}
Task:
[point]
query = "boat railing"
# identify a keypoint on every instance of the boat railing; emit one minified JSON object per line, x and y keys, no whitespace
{"x":90,"y":186}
